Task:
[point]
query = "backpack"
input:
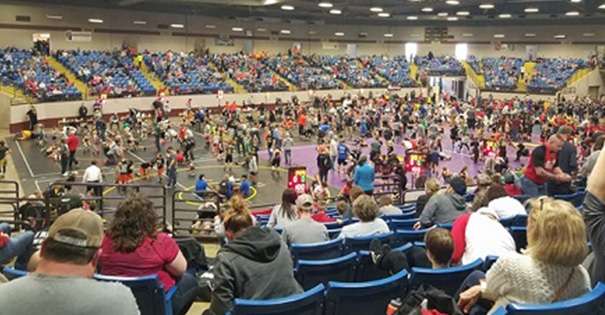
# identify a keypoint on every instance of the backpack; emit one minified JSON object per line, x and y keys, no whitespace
{"x":435,"y":300}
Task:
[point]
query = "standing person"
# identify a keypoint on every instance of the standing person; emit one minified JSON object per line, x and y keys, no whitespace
{"x":32,"y":116}
{"x":93,"y":175}
{"x":364,"y":175}
{"x":324,"y":164}
{"x":343,"y":154}
{"x":171,"y":165}
{"x":72,"y":143}
{"x":275,"y":161}
{"x":567,"y":162}
{"x":542,"y":167}
{"x":333,"y":151}
{"x":64,"y":152}
{"x":287,"y":147}
{"x":3,"y":151}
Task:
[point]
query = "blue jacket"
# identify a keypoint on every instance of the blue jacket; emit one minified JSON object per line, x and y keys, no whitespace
{"x":364,"y":177}
{"x":244,"y":188}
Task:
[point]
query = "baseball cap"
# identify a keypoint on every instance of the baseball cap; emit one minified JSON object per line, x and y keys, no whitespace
{"x":304,"y":202}
{"x":509,"y":178}
{"x":86,"y":222}
{"x":483,"y":179}
{"x":458,"y":184}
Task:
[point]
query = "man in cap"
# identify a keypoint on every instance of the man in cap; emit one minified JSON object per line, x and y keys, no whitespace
{"x":567,"y":162}
{"x":62,"y":283}
{"x":305,"y":230}
{"x":444,"y":208}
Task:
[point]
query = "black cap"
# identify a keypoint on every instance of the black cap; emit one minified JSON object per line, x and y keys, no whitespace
{"x":458,"y":184}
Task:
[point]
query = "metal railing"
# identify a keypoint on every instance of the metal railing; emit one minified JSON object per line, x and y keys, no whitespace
{"x":193,"y":214}
{"x":389,"y":185}
{"x":10,"y":196}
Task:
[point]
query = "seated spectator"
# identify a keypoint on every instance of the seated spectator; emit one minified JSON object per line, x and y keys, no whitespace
{"x":18,"y":246}
{"x":346,"y":213}
{"x":386,"y":206}
{"x":321,"y":215}
{"x":133,"y":247}
{"x":503,"y":205}
{"x":431,"y":187}
{"x":446,"y":207}
{"x":304,"y":230}
{"x":366,"y":209}
{"x":483,"y":183}
{"x":594,"y":217}
{"x":254,"y":265}
{"x":62,"y":283}
{"x":509,"y":185}
{"x":285,"y":212}
{"x":439,"y":247}
{"x":549,"y":271}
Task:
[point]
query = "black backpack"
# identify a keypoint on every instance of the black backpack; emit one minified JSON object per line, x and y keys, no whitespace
{"x":436,"y":299}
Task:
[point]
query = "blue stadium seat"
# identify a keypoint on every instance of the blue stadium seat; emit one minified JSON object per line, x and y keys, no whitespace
{"x":577,"y":198}
{"x":11,"y":273}
{"x":500,"y":311}
{"x":317,"y":251}
{"x":489,"y":261}
{"x":150,"y":295}
{"x":354,"y":244}
{"x":311,"y":272}
{"x":522,"y":198}
{"x":517,"y":220}
{"x":404,"y":216}
{"x":307,"y":303}
{"x":367,"y":270}
{"x":519,"y":234}
{"x":447,"y":279}
{"x":408,"y":224}
{"x":591,"y":303}
{"x":446,"y":226}
{"x":410,"y":236}
{"x":334,"y":233}
{"x":364,"y":298}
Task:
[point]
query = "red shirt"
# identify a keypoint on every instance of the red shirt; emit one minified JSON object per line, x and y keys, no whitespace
{"x":322,"y":217}
{"x":459,"y":236}
{"x":72,"y":143}
{"x":540,"y":157}
{"x":512,"y":190}
{"x":149,"y":258}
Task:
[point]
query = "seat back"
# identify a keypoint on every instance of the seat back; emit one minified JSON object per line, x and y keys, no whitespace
{"x":447,"y":279}
{"x":307,"y":303}
{"x":519,"y":234}
{"x":367,"y":270}
{"x":11,"y":273}
{"x":309,"y":273}
{"x":396,"y":224}
{"x":355,"y":244}
{"x":317,"y":251}
{"x":591,"y":303}
{"x":410,"y":236}
{"x":404,"y":216}
{"x":334,"y":233}
{"x":365,"y":298}
{"x":147,"y":291}
{"x":489,"y":261}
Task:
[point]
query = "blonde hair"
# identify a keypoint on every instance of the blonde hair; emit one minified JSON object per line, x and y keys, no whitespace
{"x":431,"y":186}
{"x":556,"y":233}
{"x":238,"y":218}
{"x":365,"y":208}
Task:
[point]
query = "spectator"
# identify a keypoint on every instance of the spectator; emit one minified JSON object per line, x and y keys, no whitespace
{"x":3,"y":161}
{"x":304,"y":230}
{"x":502,"y":204}
{"x":439,"y":247}
{"x":283,"y":213}
{"x":566,"y":161}
{"x":133,"y":248}
{"x":364,"y":175}
{"x":386,"y":206}
{"x":483,"y":183}
{"x":594,"y":217}
{"x":509,"y":185}
{"x":62,"y":283}
{"x":11,"y":247}
{"x":366,"y":209}
{"x":324,"y":164}
{"x":321,"y":216}
{"x":592,"y":159}
{"x":444,"y":208}
{"x":254,"y":265}
{"x":548,"y":272}
{"x":542,"y":167}
{"x":72,"y":143}
{"x":431,"y":187}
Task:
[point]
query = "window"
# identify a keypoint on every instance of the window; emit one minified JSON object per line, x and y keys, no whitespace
{"x":461,"y":51}
{"x":411,"y":50}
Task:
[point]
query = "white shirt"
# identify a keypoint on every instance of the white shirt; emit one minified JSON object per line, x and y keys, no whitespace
{"x":485,"y":236}
{"x":376,"y":227}
{"x":92,"y":173}
{"x":507,"y":207}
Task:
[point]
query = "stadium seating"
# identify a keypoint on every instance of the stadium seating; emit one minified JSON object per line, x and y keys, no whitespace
{"x":299,"y":72}
{"x":438,"y":66}
{"x":334,"y":233}
{"x":408,"y":224}
{"x":364,"y":298}
{"x":517,"y":220}
{"x":577,"y":198}
{"x":249,"y":72}
{"x":396,"y":70}
{"x":502,"y":73}
{"x":489,"y":261}
{"x":347,"y":69}
{"x":406,"y":215}
{"x":409,"y":236}
{"x":519,"y":234}
{"x":307,"y":303}
{"x":475,"y":64}
{"x":309,"y":273}
{"x":11,"y":273}
{"x":367,"y":270}
{"x":591,"y":303}
{"x":551,"y":75}
{"x":354,"y":244}
{"x":447,"y":279}
{"x":150,"y":295}
{"x":317,"y":251}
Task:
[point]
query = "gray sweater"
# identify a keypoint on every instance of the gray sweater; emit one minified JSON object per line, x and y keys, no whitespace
{"x":305,"y":231}
{"x":443,"y":209}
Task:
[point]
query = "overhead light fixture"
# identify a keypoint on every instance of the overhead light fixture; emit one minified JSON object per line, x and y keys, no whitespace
{"x":270,"y":2}
{"x":339,"y":34}
{"x":325,"y":5}
{"x":376,"y":9}
{"x":576,"y":1}
{"x":452,"y":2}
{"x":452,"y":18}
{"x":261,"y":29}
{"x":572,"y":13}
{"x":505,"y":16}
{"x":427,"y":9}
{"x":463,"y":13}
{"x":388,"y":35}
{"x":602,"y":6}
{"x":486,"y":6}
{"x":335,"y":11}
{"x":177,"y":25}
{"x":532,"y":10}
{"x":237,"y":29}
{"x":139,"y":22}
{"x":559,"y":36}
{"x":285,"y":32}
{"x":467,"y":35}
{"x":412,"y":18}
{"x":210,"y":26}
{"x":442,"y":14}
{"x":530,"y":34}
{"x":96,"y":21}
{"x":498,"y":35}
{"x":312,"y":32}
{"x":54,"y":17}
{"x":588,"y":34}
{"x":384,"y":15}
{"x":287,"y":7}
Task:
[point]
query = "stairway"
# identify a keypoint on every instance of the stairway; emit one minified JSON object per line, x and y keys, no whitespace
{"x":291,"y":87}
{"x":15,"y":93}
{"x":413,"y":71}
{"x":528,"y":69}
{"x":478,"y":79}
{"x":579,"y":75}
{"x":81,"y":86}
{"x":237,"y":88}
{"x":157,"y":84}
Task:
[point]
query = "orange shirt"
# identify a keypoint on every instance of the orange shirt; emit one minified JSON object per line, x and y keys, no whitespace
{"x":302,"y":120}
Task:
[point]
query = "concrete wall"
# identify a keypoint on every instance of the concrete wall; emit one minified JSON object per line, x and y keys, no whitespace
{"x":594,"y":79}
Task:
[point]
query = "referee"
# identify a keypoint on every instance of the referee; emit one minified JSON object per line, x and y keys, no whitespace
{"x":93,"y":175}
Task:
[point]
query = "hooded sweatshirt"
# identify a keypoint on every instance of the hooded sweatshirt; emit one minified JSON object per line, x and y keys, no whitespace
{"x":443,"y":209}
{"x":256,"y":265}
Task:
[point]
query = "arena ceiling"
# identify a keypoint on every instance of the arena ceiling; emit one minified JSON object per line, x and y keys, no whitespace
{"x":371,"y":12}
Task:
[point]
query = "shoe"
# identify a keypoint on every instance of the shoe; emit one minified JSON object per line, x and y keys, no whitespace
{"x":376,"y":250}
{"x":65,"y":174}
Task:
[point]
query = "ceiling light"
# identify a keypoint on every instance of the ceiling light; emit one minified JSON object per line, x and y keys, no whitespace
{"x":532,"y":10}
{"x":463,"y":13}
{"x":588,"y":34}
{"x":335,"y":11}
{"x":270,"y":2}
{"x":261,"y":29}
{"x":325,"y":5}
{"x":504,"y":16}
{"x":287,"y":7}
{"x":139,"y":22}
{"x":486,"y":6}
{"x":388,"y":35}
{"x":285,"y":31}
{"x":602,"y":6}
{"x":452,"y":18}
{"x":530,"y":34}
{"x":312,"y":32}
{"x":412,"y":18}
{"x":442,"y":14}
{"x":54,"y":17}
{"x":96,"y":21}
{"x":237,"y":29}
{"x":210,"y":26}
{"x":560,"y":36}
{"x":376,"y":9}
{"x":576,"y":1}
{"x":498,"y":35}
{"x":572,"y":13}
{"x":383,"y":14}
{"x":339,"y":34}
{"x":177,"y":25}
{"x":452,"y":2}
{"x":467,"y":35}
{"x":427,"y":9}
{"x":414,"y":35}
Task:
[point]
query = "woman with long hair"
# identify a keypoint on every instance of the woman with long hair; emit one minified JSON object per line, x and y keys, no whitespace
{"x":285,"y":212}
{"x":133,"y":247}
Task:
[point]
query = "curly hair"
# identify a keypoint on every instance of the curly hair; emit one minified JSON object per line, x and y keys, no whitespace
{"x":134,"y":221}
